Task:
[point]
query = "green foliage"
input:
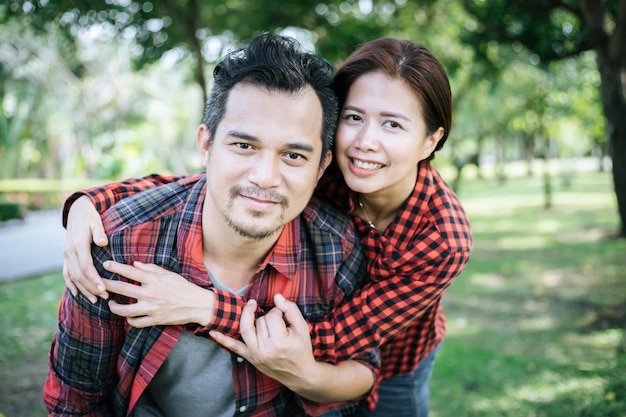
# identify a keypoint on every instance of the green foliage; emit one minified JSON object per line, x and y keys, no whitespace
{"x":550,"y":31}
{"x":10,"y":210}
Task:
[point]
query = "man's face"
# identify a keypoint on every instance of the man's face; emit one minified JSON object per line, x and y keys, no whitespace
{"x":264,"y":161}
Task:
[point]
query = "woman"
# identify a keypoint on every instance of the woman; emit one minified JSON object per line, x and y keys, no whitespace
{"x":396,"y":111}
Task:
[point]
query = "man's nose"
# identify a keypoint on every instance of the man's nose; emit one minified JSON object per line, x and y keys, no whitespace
{"x":265,"y":172}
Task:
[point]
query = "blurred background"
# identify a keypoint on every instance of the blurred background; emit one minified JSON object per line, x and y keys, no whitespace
{"x":98,"y":90}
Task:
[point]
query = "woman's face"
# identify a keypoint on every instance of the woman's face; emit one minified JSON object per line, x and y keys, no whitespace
{"x":382,"y":136}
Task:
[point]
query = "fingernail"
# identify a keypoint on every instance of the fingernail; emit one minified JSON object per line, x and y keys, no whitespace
{"x":251,"y":301}
{"x":106,"y":264}
{"x":280,"y":297}
{"x":139,"y":263}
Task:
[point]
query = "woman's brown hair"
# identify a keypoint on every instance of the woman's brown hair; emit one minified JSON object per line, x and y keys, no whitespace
{"x":410,"y":62}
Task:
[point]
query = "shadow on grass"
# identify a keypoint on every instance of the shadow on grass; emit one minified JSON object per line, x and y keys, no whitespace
{"x":537,"y":321}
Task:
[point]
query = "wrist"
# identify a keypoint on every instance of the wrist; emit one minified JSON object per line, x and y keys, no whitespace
{"x":206,"y":308}
{"x":311,"y":380}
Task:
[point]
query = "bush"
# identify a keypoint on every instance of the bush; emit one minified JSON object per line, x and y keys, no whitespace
{"x":9,"y":211}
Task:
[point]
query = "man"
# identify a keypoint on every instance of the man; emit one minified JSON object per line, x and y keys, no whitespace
{"x":246,"y":226}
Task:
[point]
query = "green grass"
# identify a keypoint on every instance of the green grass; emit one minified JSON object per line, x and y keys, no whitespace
{"x":28,"y":317}
{"x":535,"y":322}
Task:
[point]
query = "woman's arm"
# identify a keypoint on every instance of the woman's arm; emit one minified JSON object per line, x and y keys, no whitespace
{"x":81,"y":218}
{"x":377,"y":312}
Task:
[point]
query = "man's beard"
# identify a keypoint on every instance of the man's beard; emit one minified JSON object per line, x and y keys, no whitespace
{"x":255,"y":192}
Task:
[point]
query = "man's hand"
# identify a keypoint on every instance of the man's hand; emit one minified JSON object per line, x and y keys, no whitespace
{"x":163,"y":297}
{"x":278,"y":344}
{"x":84,"y":226}
{"x":280,"y":347}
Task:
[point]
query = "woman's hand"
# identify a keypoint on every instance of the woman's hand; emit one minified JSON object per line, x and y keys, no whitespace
{"x":162,"y":297}
{"x":84,"y":226}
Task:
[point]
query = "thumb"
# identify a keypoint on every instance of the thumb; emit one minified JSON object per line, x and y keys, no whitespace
{"x":97,"y":234}
{"x":291,"y":312}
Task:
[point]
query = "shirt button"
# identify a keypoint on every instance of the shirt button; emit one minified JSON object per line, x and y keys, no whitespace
{"x":240,"y":360}
{"x":243,"y":409}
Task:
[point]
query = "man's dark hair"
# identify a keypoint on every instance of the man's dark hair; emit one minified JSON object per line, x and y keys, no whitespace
{"x":275,"y":63}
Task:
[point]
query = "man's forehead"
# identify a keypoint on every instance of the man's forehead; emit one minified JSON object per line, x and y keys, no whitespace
{"x":253,"y":112}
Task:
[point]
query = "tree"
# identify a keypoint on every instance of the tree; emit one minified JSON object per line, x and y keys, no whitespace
{"x":558,"y":29}
{"x":186,"y":25}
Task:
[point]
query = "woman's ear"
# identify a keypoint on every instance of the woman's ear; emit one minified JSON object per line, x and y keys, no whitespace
{"x":431,"y":142}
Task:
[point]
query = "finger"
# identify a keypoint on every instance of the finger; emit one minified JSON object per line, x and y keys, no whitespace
{"x":232,"y":344}
{"x":98,"y":235}
{"x":126,"y":310}
{"x":127,"y":271}
{"x":124,"y":288}
{"x":75,"y":273}
{"x":247,"y":327}
{"x":93,"y":282}
{"x":292,"y":314}
{"x":275,"y":323}
{"x":152,"y":268}
{"x":68,"y":282}
{"x":140,"y":322}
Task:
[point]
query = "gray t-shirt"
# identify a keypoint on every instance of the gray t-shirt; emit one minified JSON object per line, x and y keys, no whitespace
{"x":194,"y":381}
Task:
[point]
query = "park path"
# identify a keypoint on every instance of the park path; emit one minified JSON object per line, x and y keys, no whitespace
{"x":31,"y":246}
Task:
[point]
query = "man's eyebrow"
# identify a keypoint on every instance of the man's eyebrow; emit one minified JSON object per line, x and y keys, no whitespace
{"x":299,"y":146}
{"x":242,"y":135}
{"x":294,"y":146}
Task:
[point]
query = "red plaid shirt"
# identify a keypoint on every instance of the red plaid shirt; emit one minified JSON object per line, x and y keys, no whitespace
{"x":410,"y":266}
{"x":99,"y":365}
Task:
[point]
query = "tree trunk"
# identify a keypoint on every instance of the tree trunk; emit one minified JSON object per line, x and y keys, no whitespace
{"x":611,"y":57}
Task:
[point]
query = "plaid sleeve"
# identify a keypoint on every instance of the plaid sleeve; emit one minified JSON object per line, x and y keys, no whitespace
{"x":226,"y":313}
{"x":105,"y":196}
{"x":383,"y":308}
{"x":82,"y":358}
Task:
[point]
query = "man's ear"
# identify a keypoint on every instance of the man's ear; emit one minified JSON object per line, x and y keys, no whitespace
{"x":325,"y":163}
{"x":203,"y":142}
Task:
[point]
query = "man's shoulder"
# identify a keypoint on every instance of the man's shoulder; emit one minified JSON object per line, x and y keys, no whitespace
{"x":155,"y":203}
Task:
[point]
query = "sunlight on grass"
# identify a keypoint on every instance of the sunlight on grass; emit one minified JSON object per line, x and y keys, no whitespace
{"x":525,"y":242}
{"x":549,"y":388}
{"x":536,"y":319}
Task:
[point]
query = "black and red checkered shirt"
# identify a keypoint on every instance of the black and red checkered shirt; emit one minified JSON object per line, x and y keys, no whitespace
{"x":410,"y":266}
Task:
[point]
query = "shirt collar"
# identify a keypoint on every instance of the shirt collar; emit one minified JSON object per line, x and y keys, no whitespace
{"x":284,"y":255}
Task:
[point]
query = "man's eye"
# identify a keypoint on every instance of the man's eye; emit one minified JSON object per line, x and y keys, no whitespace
{"x":242,"y":145}
{"x":294,"y":156}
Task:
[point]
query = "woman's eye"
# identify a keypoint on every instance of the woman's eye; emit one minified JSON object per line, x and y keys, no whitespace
{"x":242,"y":145}
{"x":352,"y":117}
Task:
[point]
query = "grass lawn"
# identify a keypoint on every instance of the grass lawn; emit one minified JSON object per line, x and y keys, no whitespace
{"x":536,"y":322}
